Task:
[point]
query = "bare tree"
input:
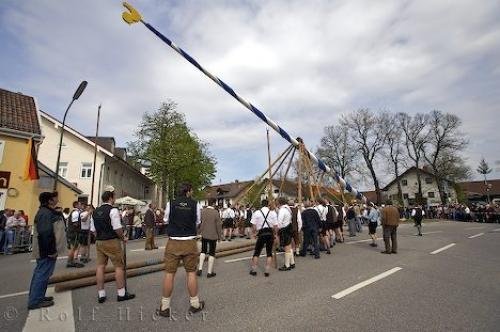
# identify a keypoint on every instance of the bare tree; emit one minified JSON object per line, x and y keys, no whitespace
{"x":445,"y":140}
{"x":369,"y":137}
{"x":415,"y":137}
{"x":395,"y":152}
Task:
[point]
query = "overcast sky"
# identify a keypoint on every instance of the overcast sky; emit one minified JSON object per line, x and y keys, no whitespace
{"x":303,"y":63}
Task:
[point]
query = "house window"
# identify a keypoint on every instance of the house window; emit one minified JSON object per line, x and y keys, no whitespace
{"x":430,"y":194}
{"x":86,"y":170}
{"x":404,"y":182}
{"x":428,"y":180}
{"x":63,"y":169}
{"x":405,"y":196}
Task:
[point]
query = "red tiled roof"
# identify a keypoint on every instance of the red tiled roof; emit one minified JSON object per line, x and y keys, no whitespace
{"x":18,"y":112}
{"x":478,"y":187}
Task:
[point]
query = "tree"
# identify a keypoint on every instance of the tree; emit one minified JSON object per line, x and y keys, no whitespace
{"x":175,"y":154}
{"x":484,"y":169}
{"x":415,"y":138}
{"x":445,"y":141}
{"x":395,"y":153}
{"x":369,"y":136}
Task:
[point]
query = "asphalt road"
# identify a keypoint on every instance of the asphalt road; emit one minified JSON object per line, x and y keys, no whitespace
{"x":456,"y":289}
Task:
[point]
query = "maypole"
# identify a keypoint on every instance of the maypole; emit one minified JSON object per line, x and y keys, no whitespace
{"x":133,"y":16}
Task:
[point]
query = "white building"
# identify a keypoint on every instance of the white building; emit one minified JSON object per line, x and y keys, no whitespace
{"x":409,"y":188}
{"x":76,"y":163}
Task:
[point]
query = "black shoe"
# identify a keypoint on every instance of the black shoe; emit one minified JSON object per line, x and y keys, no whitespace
{"x":266,"y":274}
{"x":163,"y":313}
{"x":101,"y":299}
{"x":373,"y":244}
{"x":211,"y":275}
{"x":394,"y":252}
{"x":74,"y":264}
{"x":48,"y":298}
{"x":385,"y":252}
{"x":284,"y":268}
{"x":126,"y":297}
{"x":328,"y":252}
{"x":199,"y":272}
{"x":253,"y":273}
{"x":247,"y":238}
{"x":292,"y":266}
{"x":316,"y":257}
{"x":193,"y":310}
{"x":43,"y":304}
{"x":230,"y":239}
{"x":419,"y":234}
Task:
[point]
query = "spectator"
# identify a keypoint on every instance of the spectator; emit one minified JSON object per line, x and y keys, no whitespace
{"x":14,"y":223}
{"x":137,"y":226}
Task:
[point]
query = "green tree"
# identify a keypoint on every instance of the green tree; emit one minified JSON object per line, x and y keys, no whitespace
{"x":485,"y":169}
{"x":172,"y":151}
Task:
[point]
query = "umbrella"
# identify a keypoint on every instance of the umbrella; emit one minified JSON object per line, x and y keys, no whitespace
{"x":127,"y":200}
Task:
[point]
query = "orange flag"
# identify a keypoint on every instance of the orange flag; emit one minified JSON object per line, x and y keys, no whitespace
{"x":31,"y":166}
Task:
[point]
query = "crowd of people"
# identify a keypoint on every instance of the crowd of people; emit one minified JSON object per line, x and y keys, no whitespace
{"x":13,"y":224}
{"x":474,"y":212}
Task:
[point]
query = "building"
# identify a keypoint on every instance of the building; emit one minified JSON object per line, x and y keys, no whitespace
{"x":77,"y":158}
{"x":409,"y":188}
{"x":20,"y":124}
{"x":478,"y":191}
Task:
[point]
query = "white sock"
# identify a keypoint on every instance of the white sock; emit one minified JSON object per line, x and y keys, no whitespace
{"x":297,"y":250}
{"x":287,"y":259}
{"x":121,"y":292}
{"x":101,"y":293}
{"x":292,"y":259}
{"x":211,"y":261}
{"x":195,"y":302}
{"x":202,"y":259}
{"x":165,"y":303}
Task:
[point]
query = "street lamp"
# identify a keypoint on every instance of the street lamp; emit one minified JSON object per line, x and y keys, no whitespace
{"x":77,"y":94}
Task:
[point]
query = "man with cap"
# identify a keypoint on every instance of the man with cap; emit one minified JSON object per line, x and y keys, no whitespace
{"x":182,"y":215}
{"x":106,"y":224}
{"x":48,"y":241}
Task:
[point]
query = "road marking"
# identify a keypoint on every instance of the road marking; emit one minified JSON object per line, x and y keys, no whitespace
{"x":247,"y":258}
{"x":496,"y":230}
{"x":442,"y":249}
{"x":471,"y":228}
{"x":13,"y":294}
{"x":365,"y":283}
{"x":136,"y":250}
{"x":432,"y":232}
{"x":58,"y":258}
{"x":359,"y":241}
{"x":477,"y":235}
{"x":59,"y":317}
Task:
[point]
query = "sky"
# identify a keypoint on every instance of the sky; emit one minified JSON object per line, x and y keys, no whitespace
{"x":302,"y":63}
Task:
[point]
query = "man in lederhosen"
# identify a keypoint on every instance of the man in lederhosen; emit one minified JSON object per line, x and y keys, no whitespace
{"x":228,"y":216}
{"x":211,"y":233}
{"x":285,"y":233}
{"x":296,"y":226}
{"x":264,"y":223}
{"x":106,"y":224}
{"x":73,"y":235}
{"x":323,"y":211}
{"x":248,"y":224}
{"x":183,"y":215}
{"x":331,"y":217}
{"x":338,"y":226}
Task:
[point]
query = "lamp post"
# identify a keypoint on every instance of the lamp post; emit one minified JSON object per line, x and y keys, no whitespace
{"x":77,"y":94}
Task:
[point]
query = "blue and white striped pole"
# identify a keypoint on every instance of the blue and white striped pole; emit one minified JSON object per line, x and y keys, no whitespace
{"x":133,"y":16}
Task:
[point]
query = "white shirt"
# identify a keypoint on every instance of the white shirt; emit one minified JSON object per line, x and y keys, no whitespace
{"x":243,"y":214}
{"x":467,"y":210}
{"x":228,"y":213}
{"x":373,"y":215}
{"x":198,"y":220}
{"x":413,"y":212}
{"x":85,"y":220}
{"x":284,"y":216}
{"x":259,"y":215}
{"x":75,"y":215}
{"x":322,"y":210}
{"x":116,"y":220}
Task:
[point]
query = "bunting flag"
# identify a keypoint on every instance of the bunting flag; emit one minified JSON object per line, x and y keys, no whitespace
{"x":31,"y":164}
{"x":132,"y":16}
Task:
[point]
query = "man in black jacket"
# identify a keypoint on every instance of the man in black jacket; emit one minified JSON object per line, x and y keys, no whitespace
{"x":310,"y":226}
{"x":47,"y":250}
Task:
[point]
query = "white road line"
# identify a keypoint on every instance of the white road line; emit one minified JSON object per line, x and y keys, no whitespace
{"x":59,"y":317}
{"x":432,"y":232}
{"x":359,"y":241}
{"x":58,"y":258}
{"x":246,"y":258}
{"x":443,"y":249}
{"x":477,"y":235}
{"x":471,"y":228}
{"x":13,"y":294}
{"x":496,"y":230}
{"x":365,"y":283}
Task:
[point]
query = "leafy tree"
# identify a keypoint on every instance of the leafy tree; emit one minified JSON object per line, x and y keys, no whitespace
{"x":175,"y":154}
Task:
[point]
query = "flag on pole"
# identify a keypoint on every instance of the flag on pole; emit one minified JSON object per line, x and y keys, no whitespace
{"x":31,"y":166}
